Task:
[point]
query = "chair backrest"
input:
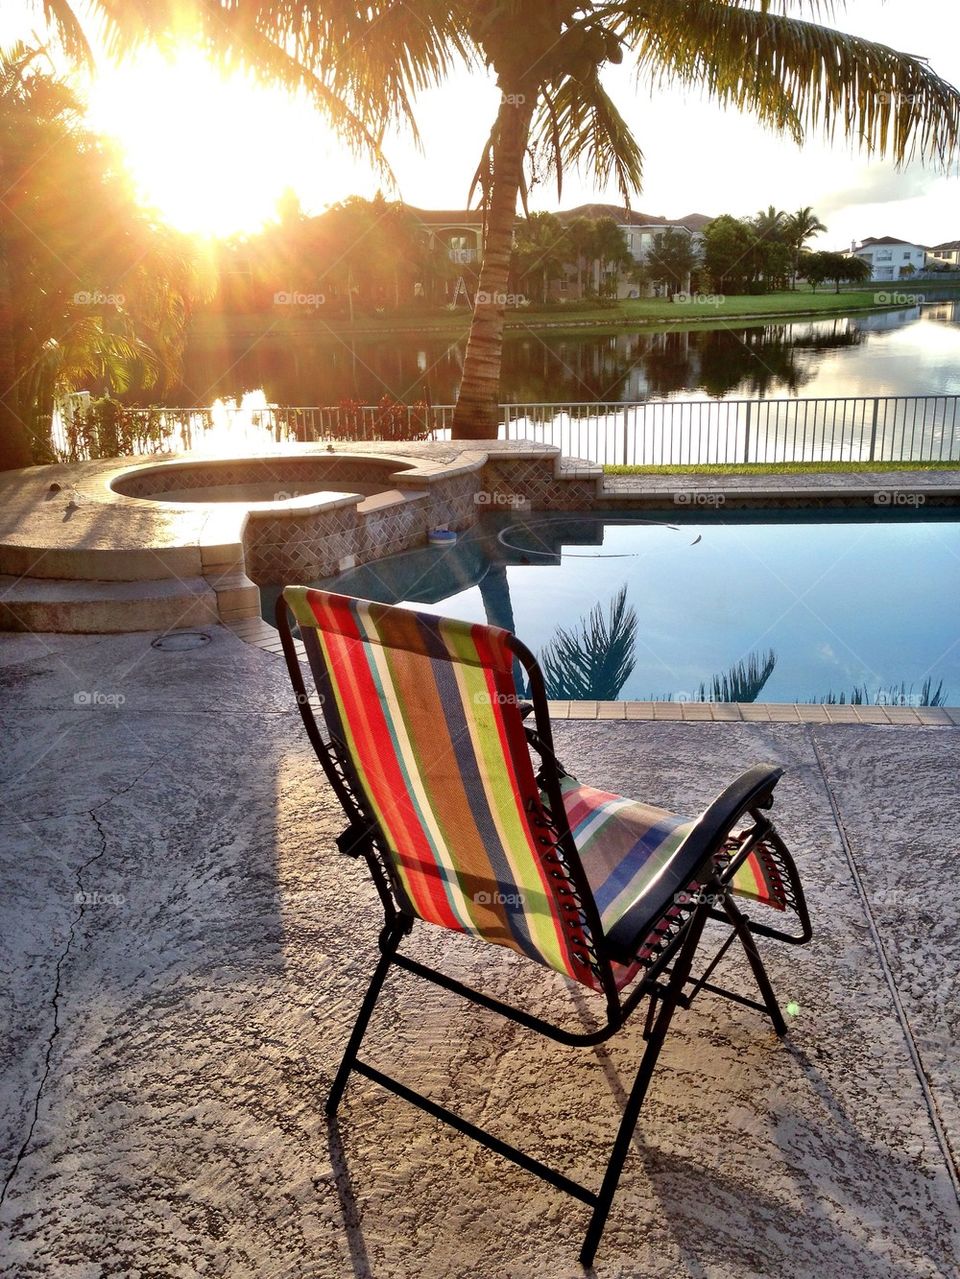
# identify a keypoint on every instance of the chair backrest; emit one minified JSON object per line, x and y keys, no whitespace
{"x":424,"y":715}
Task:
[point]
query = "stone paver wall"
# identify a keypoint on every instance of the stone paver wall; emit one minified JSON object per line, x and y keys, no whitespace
{"x":291,"y":547}
{"x":534,"y":482}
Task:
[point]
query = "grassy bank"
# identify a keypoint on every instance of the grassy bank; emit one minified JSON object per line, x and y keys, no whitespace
{"x":652,"y":313}
{"x":783,"y":468}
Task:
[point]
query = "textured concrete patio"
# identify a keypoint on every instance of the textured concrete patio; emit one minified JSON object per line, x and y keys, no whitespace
{"x":182,"y":952}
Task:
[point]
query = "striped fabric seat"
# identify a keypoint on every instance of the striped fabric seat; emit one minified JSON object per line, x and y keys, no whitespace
{"x":624,"y":845}
{"x":425,"y":709}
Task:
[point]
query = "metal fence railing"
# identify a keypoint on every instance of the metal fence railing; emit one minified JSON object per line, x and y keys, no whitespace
{"x":702,"y":432}
{"x":647,"y":433}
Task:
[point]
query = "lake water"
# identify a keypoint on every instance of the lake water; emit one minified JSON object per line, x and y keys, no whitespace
{"x":843,"y":603}
{"x":909,"y":352}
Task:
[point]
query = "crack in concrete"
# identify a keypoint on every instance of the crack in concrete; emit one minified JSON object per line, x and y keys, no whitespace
{"x":80,"y":897}
{"x":926,"y":1087}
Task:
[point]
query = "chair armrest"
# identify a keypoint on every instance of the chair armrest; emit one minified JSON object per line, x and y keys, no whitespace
{"x":752,"y":789}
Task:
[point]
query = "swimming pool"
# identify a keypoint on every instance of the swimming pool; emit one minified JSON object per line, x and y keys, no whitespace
{"x":847,"y":605}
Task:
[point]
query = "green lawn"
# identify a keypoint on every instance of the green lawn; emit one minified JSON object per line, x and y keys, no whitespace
{"x":781,"y":468}
{"x":646,"y":312}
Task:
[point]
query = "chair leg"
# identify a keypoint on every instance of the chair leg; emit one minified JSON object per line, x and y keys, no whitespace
{"x":390,"y":940}
{"x":739,"y":922}
{"x":631,"y":1113}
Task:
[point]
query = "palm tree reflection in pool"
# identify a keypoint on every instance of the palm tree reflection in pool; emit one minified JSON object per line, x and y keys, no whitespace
{"x":743,"y":682}
{"x":595,"y":660}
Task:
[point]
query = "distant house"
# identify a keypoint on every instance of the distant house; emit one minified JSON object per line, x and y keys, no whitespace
{"x":641,"y":231}
{"x":459,"y":233}
{"x":944,"y":254}
{"x":890,"y":258}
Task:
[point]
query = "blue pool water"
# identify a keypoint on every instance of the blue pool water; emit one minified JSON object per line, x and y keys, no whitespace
{"x":843,"y":602}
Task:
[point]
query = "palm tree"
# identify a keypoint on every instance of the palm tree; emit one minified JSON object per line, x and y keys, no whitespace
{"x":581,"y":235}
{"x":541,"y":252}
{"x":770,"y":224}
{"x":792,"y":74}
{"x":611,"y":254}
{"x":364,"y":63}
{"x":90,"y":289}
{"x":672,"y":260}
{"x":800,"y":226}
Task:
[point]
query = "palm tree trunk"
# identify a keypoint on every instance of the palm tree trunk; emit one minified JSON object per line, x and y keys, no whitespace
{"x":477,"y":414}
{"x":15,"y":444}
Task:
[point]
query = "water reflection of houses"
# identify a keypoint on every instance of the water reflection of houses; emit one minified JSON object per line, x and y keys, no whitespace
{"x":884,"y":321}
{"x":943,"y":312}
{"x":760,"y":359}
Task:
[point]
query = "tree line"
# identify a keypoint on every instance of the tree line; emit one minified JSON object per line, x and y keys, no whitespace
{"x":767,"y":252}
{"x":367,"y":256}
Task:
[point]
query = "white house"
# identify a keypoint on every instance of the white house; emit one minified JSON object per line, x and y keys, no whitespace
{"x":641,"y":231}
{"x":945,"y":254}
{"x":890,"y":258}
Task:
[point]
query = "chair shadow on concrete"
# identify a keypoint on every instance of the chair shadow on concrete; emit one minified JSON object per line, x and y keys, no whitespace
{"x":348,"y":1201}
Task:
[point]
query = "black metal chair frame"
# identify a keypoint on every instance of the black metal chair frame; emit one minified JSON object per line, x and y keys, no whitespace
{"x":706,"y":862}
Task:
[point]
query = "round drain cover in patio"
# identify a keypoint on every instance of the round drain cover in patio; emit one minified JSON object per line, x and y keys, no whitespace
{"x":180,"y":641}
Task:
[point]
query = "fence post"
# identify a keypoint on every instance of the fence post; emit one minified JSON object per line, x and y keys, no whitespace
{"x":626,"y":423}
{"x":873,"y":428}
{"x":746,"y":434}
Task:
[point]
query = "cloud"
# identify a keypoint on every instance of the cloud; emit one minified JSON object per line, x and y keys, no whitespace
{"x":884,"y":185}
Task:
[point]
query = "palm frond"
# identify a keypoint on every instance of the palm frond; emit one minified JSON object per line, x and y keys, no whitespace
{"x":894,"y":695}
{"x":578,"y":124}
{"x":755,"y":59}
{"x":62,"y":20}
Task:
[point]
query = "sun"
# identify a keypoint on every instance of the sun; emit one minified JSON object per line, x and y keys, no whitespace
{"x":212,"y":153}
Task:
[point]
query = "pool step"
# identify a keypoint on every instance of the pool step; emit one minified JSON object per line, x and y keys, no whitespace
{"x":237,"y":597}
{"x":75,"y":607}
{"x":83,"y":562}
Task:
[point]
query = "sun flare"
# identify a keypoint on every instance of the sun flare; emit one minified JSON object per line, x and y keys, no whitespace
{"x":212,"y":153}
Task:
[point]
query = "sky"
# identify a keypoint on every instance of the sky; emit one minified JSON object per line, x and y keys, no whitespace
{"x":215,"y":157}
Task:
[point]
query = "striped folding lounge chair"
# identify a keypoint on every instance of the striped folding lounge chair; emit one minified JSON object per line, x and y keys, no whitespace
{"x":467,"y":820}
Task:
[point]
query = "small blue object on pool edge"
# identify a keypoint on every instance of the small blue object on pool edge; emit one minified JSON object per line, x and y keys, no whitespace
{"x":441,"y":537}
